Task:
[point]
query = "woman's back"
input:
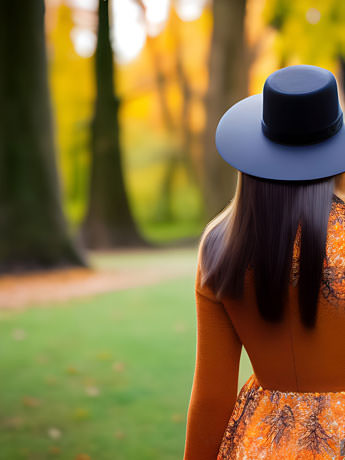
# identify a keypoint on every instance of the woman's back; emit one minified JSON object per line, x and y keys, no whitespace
{"x":287,"y":356}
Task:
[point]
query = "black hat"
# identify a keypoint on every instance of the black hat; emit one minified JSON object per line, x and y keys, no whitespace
{"x":294,"y":130}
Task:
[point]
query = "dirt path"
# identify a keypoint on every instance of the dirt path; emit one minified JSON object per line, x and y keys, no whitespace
{"x":136,"y":269}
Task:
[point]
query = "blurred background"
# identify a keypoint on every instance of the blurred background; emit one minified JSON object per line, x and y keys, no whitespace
{"x":108,"y":176}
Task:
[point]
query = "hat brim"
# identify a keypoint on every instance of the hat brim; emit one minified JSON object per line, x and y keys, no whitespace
{"x":241,"y":143}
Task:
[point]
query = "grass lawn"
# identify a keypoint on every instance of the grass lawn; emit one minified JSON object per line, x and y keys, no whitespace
{"x":104,"y":378}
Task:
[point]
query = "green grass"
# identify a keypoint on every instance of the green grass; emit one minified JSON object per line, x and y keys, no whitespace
{"x":51,"y":354}
{"x":166,"y":232}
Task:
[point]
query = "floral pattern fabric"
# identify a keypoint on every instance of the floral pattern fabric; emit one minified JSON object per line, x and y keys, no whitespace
{"x":272,"y":424}
{"x":333,"y":279}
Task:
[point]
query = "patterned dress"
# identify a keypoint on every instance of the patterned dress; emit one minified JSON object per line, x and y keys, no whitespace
{"x":272,"y":424}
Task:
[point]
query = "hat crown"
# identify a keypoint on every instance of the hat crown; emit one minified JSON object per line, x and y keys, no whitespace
{"x":300,"y":105}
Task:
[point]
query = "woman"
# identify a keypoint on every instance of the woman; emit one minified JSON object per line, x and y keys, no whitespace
{"x":271,"y":278}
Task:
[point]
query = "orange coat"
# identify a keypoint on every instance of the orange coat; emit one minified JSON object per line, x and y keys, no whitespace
{"x":285,"y":357}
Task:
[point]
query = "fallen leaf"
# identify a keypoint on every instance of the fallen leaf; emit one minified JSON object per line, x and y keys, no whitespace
{"x":55,"y":450}
{"x":30,"y":401}
{"x":119,"y":434}
{"x":104,"y":356}
{"x":177,"y":418}
{"x":14,"y":422}
{"x":50,"y":380}
{"x":92,"y":391}
{"x":42,"y":359}
{"x":19,"y":334}
{"x":118,"y":366}
{"x":83,"y":457}
{"x":72,"y":370}
{"x":54,"y":433}
{"x":180,"y":327}
{"x":81,"y":413}
{"x":89,"y":381}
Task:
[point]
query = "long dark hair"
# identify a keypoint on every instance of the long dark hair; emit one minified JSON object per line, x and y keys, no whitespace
{"x":257,"y":230}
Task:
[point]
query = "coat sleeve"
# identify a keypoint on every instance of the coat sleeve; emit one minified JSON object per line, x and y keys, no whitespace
{"x":215,"y":381}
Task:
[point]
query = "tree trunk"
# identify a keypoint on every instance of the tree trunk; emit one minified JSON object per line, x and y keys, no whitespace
{"x":188,"y":156}
{"x":33,"y":231}
{"x":108,"y":223}
{"x":228,"y":83}
{"x":163,"y":210}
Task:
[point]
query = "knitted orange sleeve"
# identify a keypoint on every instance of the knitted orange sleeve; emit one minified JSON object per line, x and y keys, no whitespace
{"x":214,"y":389}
